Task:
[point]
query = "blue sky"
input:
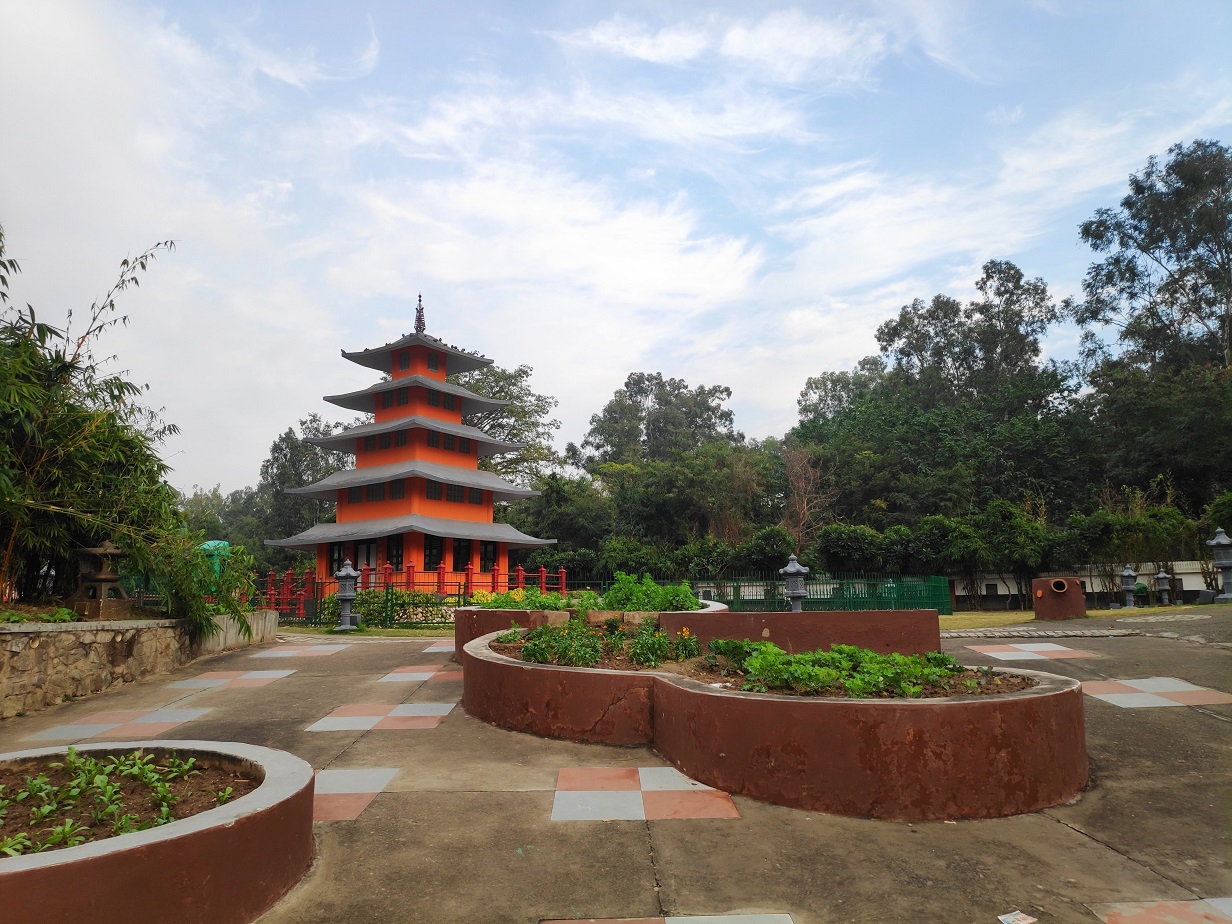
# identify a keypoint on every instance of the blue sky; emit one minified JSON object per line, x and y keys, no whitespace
{"x":731,"y":194}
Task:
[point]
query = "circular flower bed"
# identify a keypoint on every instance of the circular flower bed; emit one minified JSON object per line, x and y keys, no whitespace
{"x":228,"y":863}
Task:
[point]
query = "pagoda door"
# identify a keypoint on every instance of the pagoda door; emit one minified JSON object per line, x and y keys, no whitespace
{"x":365,"y":554}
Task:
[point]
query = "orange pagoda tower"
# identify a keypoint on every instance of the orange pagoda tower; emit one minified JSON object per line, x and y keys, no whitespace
{"x":416,"y":510}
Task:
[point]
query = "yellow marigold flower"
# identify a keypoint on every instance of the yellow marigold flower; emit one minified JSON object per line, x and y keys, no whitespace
{"x":684,"y":633}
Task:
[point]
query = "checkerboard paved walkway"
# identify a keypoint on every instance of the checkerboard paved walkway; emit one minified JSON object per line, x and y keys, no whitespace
{"x":383,"y":716}
{"x":128,"y":725}
{"x":420,"y":672}
{"x":635,"y":794}
{"x":1151,"y":692}
{"x":342,"y":795}
{"x":1032,"y":651}
{"x":213,"y":680}
{"x":300,"y":651}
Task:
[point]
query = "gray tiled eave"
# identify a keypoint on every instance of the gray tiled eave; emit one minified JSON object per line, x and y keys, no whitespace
{"x":414,"y":468}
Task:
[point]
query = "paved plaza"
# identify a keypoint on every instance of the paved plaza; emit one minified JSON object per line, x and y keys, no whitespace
{"x":425,"y":814}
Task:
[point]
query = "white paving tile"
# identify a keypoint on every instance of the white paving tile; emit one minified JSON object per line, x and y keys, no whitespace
{"x":1040,"y":646}
{"x":169,"y":715}
{"x":266,"y":675}
{"x":344,"y":723}
{"x":423,"y":709}
{"x":1160,"y":685}
{"x":72,"y":732}
{"x":373,"y":779}
{"x":574,"y":805}
{"x":1134,"y":700}
{"x":666,"y":778}
{"x":402,"y":678}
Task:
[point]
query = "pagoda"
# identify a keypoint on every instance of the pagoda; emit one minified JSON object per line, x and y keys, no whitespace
{"x":416,"y":504}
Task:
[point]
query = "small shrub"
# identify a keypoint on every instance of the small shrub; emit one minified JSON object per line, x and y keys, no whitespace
{"x":686,"y":645}
{"x":645,"y":596}
{"x":512,"y":635}
{"x":573,"y":645}
{"x":649,"y":646}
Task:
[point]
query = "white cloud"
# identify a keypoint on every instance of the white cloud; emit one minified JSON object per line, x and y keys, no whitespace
{"x":790,"y":47}
{"x":622,"y":36}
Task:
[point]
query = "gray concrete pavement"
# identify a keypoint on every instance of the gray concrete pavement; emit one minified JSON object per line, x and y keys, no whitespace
{"x":464,"y":830}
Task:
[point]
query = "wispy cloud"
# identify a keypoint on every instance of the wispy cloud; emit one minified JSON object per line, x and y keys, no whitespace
{"x":301,"y":67}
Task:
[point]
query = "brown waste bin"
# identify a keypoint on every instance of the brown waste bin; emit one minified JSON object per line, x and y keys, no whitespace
{"x":1058,"y":598}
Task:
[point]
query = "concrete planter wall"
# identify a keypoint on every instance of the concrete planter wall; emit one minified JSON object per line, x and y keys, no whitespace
{"x":42,"y":664}
{"x":224,"y":866}
{"x":961,"y":757}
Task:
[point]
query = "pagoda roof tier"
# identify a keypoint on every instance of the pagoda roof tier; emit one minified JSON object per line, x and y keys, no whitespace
{"x":433,"y":526}
{"x":501,"y":489}
{"x":363,"y":400}
{"x":378,"y":358}
{"x":345,"y":440}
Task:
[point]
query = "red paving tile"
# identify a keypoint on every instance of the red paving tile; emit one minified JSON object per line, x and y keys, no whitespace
{"x":342,"y":806}
{"x":1107,"y":686}
{"x":1166,"y":913}
{"x":252,"y":682}
{"x":408,"y":721}
{"x":598,"y":779}
{"x":1197,"y":697}
{"x":102,"y":718}
{"x":446,"y":675}
{"x":220,"y":675}
{"x":135,"y":731}
{"x":669,"y":803}
{"x":360,"y":709}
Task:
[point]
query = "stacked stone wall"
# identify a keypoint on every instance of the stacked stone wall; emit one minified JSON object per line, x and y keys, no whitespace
{"x":42,"y":664}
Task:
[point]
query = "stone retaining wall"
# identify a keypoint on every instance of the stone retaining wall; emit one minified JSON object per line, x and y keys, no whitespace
{"x":42,"y":664}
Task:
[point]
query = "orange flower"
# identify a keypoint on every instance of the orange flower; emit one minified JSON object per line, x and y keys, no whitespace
{"x":684,"y":633}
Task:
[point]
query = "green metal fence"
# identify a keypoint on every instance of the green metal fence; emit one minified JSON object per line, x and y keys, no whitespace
{"x":860,"y":592}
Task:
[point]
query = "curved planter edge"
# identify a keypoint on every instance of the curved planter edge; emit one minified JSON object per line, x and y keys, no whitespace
{"x":926,"y":759}
{"x":227,"y":865}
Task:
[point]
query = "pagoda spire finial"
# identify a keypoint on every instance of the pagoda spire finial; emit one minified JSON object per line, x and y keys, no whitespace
{"x":420,"y":326}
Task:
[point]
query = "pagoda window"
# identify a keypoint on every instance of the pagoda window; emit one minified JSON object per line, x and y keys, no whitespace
{"x":434,"y":439}
{"x":487,"y":556}
{"x":450,"y":441}
{"x":397,"y":489}
{"x":387,"y":399}
{"x":434,"y":552}
{"x":385,"y":440}
{"x":369,"y":443}
{"x":404,"y":396}
{"x":434,"y":362}
{"x":336,"y":552}
{"x":449,"y":402}
{"x":433,"y":491}
{"x":475,"y":496}
{"x":404,"y":360}
{"x":376,"y":492}
{"x":454,"y":492}
{"x":464,"y":444}
{"x":393,"y":551}
{"x":434,"y":398}
{"x":461,"y":554}
{"x":355,"y":495}
{"x":400,"y":438}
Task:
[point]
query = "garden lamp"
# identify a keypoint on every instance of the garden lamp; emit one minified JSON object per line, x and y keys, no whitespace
{"x":346,"y":596}
{"x":1163,"y":582}
{"x":793,"y":576}
{"x":1221,"y":551}
{"x":1129,"y":577}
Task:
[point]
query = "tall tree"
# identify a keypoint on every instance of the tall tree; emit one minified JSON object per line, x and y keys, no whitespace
{"x":653,"y":418}
{"x":524,"y":420}
{"x":1166,"y":282}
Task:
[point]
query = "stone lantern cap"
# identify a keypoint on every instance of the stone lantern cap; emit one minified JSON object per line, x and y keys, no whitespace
{"x":1221,"y":547}
{"x":794,"y":568}
{"x":1128,"y":578}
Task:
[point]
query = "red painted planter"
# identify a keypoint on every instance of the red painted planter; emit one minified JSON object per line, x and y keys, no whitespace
{"x":926,"y":759}
{"x":225,"y":866}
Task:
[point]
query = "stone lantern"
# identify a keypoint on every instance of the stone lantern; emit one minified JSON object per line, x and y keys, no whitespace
{"x":1129,"y":577}
{"x":346,"y":596}
{"x":793,"y":576}
{"x":1163,"y":583}
{"x":1221,"y":551}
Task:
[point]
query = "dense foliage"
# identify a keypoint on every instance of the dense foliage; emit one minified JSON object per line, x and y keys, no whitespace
{"x":627,"y":594}
{"x":80,"y":465}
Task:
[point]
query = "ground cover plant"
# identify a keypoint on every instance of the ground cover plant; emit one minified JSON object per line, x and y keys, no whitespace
{"x":63,"y":801}
{"x":15,"y":613}
{"x":756,"y":667}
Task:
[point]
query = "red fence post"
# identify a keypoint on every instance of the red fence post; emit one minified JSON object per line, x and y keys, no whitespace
{"x":470,"y":577}
{"x":388,"y":574}
{"x":560,"y":581}
{"x":521,"y":577}
{"x":288,"y":588}
{"x":440,"y":579}
{"x":271,"y":589}
{"x":410,"y":577}
{"x":495,"y":579}
{"x":365,"y":575}
{"x":543,"y":580}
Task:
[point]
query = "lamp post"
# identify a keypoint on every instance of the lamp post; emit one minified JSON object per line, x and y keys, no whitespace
{"x":794,"y":575}
{"x":346,"y":596}
{"x":1221,"y":551}
{"x":1129,"y":577}
{"x":1163,"y":583}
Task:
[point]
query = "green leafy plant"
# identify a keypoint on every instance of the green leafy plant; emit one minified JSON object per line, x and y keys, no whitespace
{"x":222,"y":795}
{"x":512,"y":635}
{"x":650,"y":645}
{"x":573,"y":644}
{"x":645,"y":596}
